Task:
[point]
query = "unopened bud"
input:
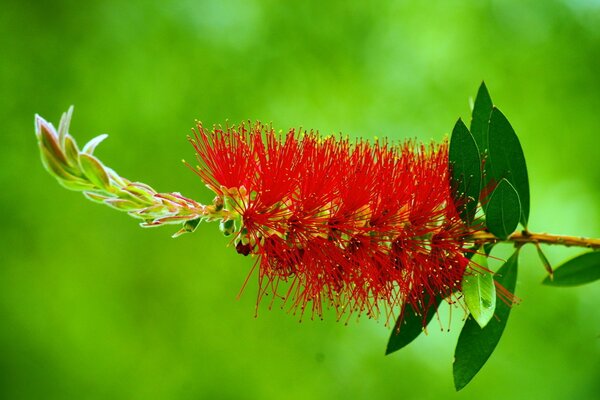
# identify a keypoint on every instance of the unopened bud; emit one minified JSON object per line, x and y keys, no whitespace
{"x":218,"y":203}
{"x":227,"y":227}
{"x":243,"y":249}
{"x":191,"y":225}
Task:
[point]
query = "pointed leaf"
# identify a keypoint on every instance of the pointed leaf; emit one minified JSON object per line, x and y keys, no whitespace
{"x":119,"y":180}
{"x":53,"y":166}
{"x":577,"y":271}
{"x":63,"y":125}
{"x":482,"y":110}
{"x":465,"y":168}
{"x":95,"y":197}
{"x":122,"y":205}
{"x":49,"y":140}
{"x":475,"y":345}
{"x":503,"y":210}
{"x":76,"y":184}
{"x":92,"y":144}
{"x":71,"y":151}
{"x":479,"y":290}
{"x":143,"y":186}
{"x":58,"y":170}
{"x":506,"y":160}
{"x":138,"y":192}
{"x":411,"y":326}
{"x":94,"y":170}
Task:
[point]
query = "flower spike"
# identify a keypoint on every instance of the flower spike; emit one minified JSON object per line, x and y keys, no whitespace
{"x":352,"y":225}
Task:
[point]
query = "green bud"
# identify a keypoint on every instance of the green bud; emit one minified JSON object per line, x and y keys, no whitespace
{"x":218,"y":203}
{"x":227,"y":227}
{"x":191,"y":225}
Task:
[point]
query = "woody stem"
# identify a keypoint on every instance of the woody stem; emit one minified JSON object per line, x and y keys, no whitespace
{"x":524,"y":237}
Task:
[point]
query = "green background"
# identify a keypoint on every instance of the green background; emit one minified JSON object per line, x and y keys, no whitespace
{"x":93,"y":307}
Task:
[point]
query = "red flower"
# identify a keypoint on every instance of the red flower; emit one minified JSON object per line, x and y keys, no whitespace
{"x":362,"y":227}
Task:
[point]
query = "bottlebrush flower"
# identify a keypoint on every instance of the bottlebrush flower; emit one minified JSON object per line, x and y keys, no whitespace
{"x":350,"y":224}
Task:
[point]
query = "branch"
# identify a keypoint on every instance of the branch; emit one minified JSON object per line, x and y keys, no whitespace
{"x":524,"y":237}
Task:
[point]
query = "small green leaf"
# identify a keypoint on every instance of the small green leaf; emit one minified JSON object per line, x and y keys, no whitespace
{"x":465,"y":169}
{"x":411,"y":326}
{"x":479,"y":290}
{"x":153,"y":212}
{"x":49,"y":140}
{"x":503,"y":210}
{"x":138,"y":192}
{"x":94,"y":170}
{"x":53,"y":166}
{"x":71,"y":151}
{"x":92,"y":144}
{"x":95,"y":197}
{"x":122,"y":205}
{"x":64,"y":178}
{"x":577,"y":271}
{"x":63,"y":126}
{"x":144,"y":187}
{"x":475,"y":345}
{"x":506,"y":160}
{"x":482,"y":110}
{"x":75,"y":183}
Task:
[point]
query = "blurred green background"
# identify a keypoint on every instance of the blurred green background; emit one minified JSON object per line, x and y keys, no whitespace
{"x":93,"y":307}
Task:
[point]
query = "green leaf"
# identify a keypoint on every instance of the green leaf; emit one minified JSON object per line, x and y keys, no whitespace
{"x":76,"y":184}
{"x":49,"y":140}
{"x":53,"y":166}
{"x":138,"y":193}
{"x":92,"y":144}
{"x":122,"y":205}
{"x":63,"y":126}
{"x":577,"y":271}
{"x":72,"y":153}
{"x":479,"y":290}
{"x":506,"y":160}
{"x":95,"y":197}
{"x":480,"y":119}
{"x":94,"y":170}
{"x":503,"y":210}
{"x":465,"y":169}
{"x":475,"y":345}
{"x":411,"y":326}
